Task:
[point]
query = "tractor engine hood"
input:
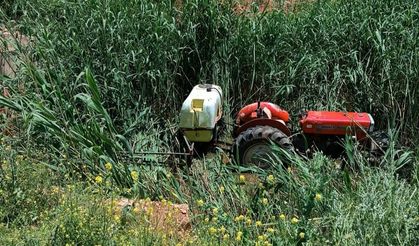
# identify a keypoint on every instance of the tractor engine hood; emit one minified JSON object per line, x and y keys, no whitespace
{"x":337,"y":123}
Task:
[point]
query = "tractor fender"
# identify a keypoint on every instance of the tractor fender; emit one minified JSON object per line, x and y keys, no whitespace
{"x":279,"y":124}
{"x":247,"y":112}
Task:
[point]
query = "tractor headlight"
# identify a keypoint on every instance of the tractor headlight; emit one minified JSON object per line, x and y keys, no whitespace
{"x":371,"y":128}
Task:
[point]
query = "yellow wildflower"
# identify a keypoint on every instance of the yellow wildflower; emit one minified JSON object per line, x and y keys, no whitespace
{"x":212,"y":230}
{"x":98,"y":179}
{"x":261,"y":237}
{"x":137,"y":210}
{"x":200,"y":203}
{"x":249,"y":221}
{"x":221,"y":189}
{"x":215,"y":210}
{"x":265,"y":201}
{"x":108,"y":166}
{"x":258,"y":223}
{"x":117,"y":218}
{"x":55,"y":189}
{"x":270,"y":230}
{"x":134,"y":175}
{"x":318,"y":197}
{"x":226,"y":236}
{"x":242,"y":178}
{"x":267,"y":243}
{"x":206,"y":220}
{"x":222,"y":230}
{"x":239,"y":236}
{"x":239,"y":218}
{"x":261,"y":186}
{"x":150,"y":211}
{"x":270,"y":179}
{"x":301,"y":235}
{"x":294,"y":220}
{"x":282,"y":216}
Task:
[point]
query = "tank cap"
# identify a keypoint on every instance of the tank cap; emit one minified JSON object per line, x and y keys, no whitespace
{"x":205,"y":86}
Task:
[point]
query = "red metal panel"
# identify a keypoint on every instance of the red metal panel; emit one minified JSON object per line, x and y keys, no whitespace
{"x":336,"y":123}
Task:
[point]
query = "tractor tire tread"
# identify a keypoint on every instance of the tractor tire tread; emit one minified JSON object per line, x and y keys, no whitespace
{"x":259,"y":133}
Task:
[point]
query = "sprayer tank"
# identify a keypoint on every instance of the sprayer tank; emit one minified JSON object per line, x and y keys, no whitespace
{"x":200,"y":113}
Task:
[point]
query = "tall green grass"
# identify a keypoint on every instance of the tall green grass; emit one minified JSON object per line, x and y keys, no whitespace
{"x":336,"y":55}
{"x":144,"y":57}
{"x":102,"y":77}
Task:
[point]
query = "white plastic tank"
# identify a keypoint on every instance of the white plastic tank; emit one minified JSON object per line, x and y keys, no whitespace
{"x":200,"y":113}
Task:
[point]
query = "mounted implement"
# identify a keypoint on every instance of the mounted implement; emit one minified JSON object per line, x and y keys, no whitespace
{"x":200,"y":113}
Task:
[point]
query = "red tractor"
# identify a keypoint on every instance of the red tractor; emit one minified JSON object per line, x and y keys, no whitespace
{"x":261,"y":124}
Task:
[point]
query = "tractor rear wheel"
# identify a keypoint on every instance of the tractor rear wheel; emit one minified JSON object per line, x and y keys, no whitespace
{"x":253,"y":146}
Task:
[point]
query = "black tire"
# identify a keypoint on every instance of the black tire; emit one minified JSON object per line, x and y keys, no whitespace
{"x":258,"y":139}
{"x":379,"y":143}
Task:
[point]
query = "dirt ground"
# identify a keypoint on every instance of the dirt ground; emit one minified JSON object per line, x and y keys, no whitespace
{"x":163,"y":216}
{"x":7,"y":48}
{"x":266,"y":5}
{"x":242,"y":6}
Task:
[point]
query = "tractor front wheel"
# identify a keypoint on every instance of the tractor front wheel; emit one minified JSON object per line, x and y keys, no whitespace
{"x":253,"y":146}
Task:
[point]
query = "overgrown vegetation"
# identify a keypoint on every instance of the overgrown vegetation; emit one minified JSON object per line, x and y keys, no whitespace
{"x":100,"y":78}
